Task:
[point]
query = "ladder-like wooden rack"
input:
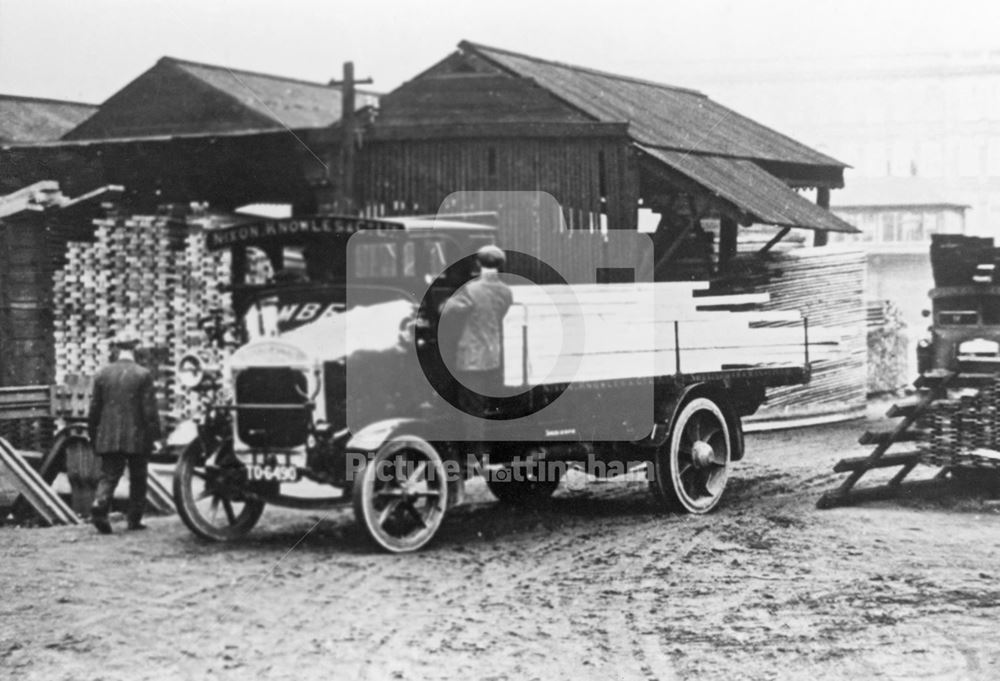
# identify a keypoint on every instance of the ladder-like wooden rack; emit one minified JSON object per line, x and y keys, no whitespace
{"x":933,"y":387}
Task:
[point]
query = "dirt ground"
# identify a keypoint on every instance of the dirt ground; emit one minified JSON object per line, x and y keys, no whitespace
{"x":597,"y":585}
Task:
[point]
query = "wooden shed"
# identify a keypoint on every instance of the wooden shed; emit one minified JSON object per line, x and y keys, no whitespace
{"x":603,"y":145}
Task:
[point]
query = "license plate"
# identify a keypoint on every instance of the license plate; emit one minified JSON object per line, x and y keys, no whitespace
{"x":258,"y":473}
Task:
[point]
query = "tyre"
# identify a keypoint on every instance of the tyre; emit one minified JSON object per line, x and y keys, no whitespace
{"x":528,"y":484}
{"x":401,"y":495}
{"x":691,"y":469}
{"x":210,"y":493}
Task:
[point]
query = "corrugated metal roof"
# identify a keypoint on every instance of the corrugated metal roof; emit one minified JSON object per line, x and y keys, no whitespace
{"x":659,"y":115}
{"x":752,"y":189}
{"x":288,"y":101}
{"x":30,"y":119}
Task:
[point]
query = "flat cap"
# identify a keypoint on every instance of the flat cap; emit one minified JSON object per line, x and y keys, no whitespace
{"x":491,"y":256}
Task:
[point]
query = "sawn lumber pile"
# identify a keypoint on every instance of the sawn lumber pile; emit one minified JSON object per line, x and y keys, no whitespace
{"x":826,"y":285}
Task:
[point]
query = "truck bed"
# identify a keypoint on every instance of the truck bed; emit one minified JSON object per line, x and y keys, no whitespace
{"x":595,"y":334}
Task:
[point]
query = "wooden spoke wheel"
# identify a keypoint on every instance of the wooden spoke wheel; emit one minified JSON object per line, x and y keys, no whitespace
{"x":526,"y":482}
{"x":401,"y":495}
{"x":210,"y":493}
{"x":692,"y":467}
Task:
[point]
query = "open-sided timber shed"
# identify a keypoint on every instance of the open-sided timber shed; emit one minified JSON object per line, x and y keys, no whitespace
{"x":604,"y":145}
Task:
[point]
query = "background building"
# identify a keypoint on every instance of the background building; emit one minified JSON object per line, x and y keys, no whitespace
{"x":921,"y":133}
{"x":932,"y":120}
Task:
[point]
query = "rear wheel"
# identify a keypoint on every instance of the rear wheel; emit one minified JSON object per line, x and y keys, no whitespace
{"x":210,"y":493}
{"x":401,"y":495}
{"x":691,"y":469}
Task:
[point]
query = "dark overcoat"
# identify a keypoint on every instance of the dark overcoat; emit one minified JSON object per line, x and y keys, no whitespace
{"x":123,"y":414}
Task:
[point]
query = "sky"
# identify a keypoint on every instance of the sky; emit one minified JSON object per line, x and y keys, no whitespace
{"x":87,"y":50}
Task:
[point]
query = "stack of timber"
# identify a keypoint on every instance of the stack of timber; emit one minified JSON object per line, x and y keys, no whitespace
{"x":826,"y":285}
{"x":200,"y":296}
{"x":595,"y":332}
{"x":888,"y":348}
{"x":965,"y":431}
{"x":152,"y":274}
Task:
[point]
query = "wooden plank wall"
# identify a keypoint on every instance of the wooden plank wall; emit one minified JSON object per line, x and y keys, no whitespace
{"x":416,"y":176}
{"x":26,"y":348}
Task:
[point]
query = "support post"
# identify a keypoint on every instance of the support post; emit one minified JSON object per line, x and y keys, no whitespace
{"x":347,"y":127}
{"x":344,"y":199}
{"x":727,"y":241}
{"x":823,"y":201}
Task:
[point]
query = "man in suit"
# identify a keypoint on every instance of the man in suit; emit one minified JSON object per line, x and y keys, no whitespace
{"x":482,"y":304}
{"x":124,"y":423}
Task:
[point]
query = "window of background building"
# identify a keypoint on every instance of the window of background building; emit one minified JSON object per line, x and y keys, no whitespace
{"x":929,"y":103}
{"x":889,"y":229}
{"x":912,"y":226}
{"x":993,"y":158}
{"x":968,"y":158}
{"x":971,"y":106}
{"x":930,"y":159}
{"x":901,"y":158}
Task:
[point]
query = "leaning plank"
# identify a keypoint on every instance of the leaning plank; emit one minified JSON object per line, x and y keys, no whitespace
{"x":159,"y":497}
{"x":43,"y":499}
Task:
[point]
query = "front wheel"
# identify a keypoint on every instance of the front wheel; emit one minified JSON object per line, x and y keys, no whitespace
{"x":691,"y":469}
{"x":401,"y":495}
{"x":210,"y":493}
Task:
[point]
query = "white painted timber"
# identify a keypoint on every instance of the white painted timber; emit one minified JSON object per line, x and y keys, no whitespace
{"x":620,"y":331}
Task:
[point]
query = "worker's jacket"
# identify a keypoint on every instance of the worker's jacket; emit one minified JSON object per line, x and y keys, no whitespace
{"x":483,"y":302}
{"x":123,"y":415}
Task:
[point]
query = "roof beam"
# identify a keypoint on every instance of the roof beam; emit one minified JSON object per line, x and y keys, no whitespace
{"x":506,"y":130}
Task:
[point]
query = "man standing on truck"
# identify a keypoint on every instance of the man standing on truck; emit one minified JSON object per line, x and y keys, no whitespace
{"x":124,"y":423}
{"x":481,"y":305}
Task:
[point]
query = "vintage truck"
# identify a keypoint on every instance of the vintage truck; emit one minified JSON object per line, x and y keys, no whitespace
{"x":318,"y":300}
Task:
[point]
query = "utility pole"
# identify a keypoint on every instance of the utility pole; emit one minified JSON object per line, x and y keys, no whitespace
{"x":344,"y":193}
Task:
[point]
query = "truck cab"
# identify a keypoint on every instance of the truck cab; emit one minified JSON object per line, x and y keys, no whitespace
{"x":965,"y":306}
{"x":295,"y":284}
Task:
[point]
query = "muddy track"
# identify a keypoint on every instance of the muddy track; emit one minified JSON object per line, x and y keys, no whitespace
{"x":597,"y":584}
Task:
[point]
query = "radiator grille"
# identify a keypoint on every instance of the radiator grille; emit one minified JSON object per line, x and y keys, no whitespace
{"x":271,"y":427}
